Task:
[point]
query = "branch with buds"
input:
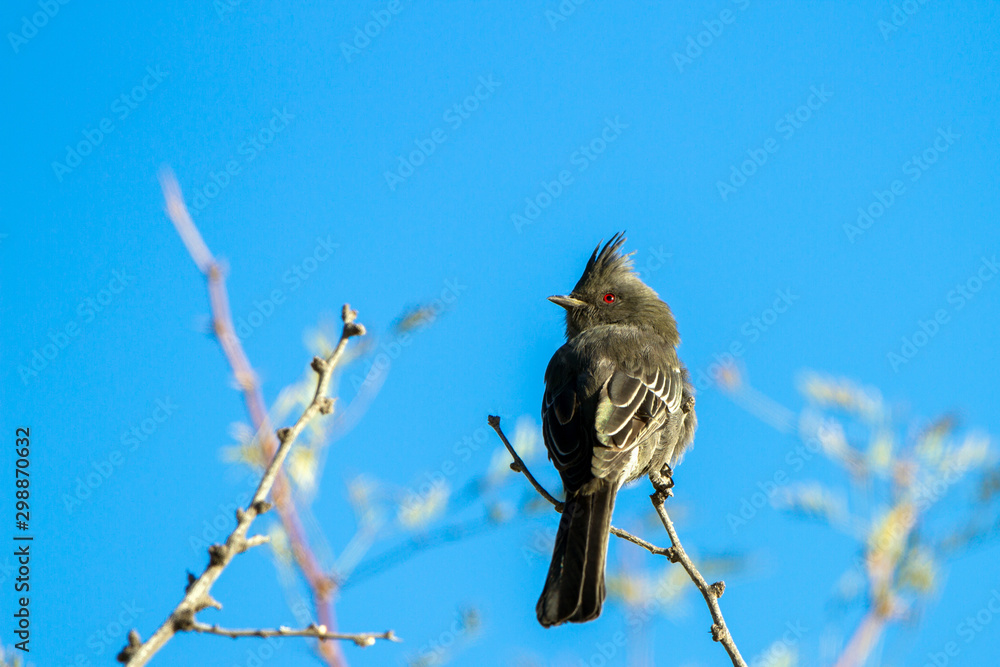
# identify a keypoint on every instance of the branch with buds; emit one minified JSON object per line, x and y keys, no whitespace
{"x":315,"y":631}
{"x":197,"y":595}
{"x":674,"y":553}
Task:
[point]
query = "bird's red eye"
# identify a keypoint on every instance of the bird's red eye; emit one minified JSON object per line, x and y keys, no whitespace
{"x":609,"y":298}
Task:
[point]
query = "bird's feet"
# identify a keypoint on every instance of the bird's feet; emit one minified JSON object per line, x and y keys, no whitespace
{"x":663,"y":482}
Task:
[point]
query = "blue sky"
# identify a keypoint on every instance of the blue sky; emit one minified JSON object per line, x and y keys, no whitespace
{"x":838,"y":160}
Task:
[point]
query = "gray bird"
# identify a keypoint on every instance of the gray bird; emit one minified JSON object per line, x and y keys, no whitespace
{"x":618,"y":405}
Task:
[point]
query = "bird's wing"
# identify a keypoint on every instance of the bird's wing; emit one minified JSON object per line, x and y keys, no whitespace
{"x":634,"y":402}
{"x":568,"y":433}
{"x":595,"y":411}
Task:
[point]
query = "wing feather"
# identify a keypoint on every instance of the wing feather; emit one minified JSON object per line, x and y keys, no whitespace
{"x":597,"y":412}
{"x":653,"y":392}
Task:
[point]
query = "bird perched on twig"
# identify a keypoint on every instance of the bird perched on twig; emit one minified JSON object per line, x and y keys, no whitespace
{"x":618,"y":405}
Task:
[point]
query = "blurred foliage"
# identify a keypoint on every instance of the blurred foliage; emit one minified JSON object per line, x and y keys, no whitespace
{"x":897,"y":473}
{"x":433,"y":512}
{"x":445,"y":647}
{"x":885,"y":493}
{"x":778,"y":654}
{"x":11,"y":658}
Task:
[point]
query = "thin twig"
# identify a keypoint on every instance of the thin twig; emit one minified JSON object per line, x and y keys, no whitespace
{"x":651,"y":548}
{"x":519,"y":466}
{"x":674,"y":553}
{"x":711,"y":592}
{"x":314,"y":631}
{"x":197,"y":596}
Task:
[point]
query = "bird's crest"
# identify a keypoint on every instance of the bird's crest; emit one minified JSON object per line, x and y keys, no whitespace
{"x":608,"y":260}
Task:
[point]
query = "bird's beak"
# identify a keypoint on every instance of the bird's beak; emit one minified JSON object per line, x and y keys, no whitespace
{"x":567,"y":302}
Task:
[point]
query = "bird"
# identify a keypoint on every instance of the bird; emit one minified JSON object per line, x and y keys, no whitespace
{"x":618,"y":405}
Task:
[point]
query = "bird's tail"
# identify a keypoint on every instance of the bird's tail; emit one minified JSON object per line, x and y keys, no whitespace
{"x":574,"y":588}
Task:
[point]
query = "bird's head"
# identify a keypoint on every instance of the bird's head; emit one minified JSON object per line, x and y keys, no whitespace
{"x":610,"y":292}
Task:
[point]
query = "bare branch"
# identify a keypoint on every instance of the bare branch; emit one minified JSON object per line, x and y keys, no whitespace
{"x":651,"y":548}
{"x":674,"y":553}
{"x":197,"y":596}
{"x":314,"y":631}
{"x":711,"y":592}
{"x":519,"y":466}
